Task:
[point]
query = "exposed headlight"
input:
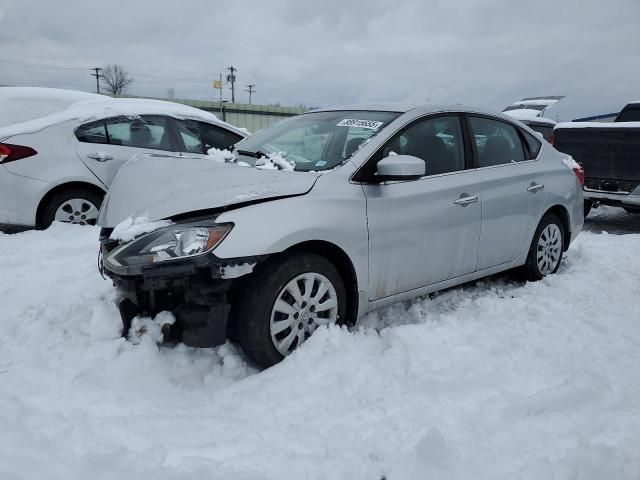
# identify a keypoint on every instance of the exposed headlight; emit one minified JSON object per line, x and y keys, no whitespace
{"x":170,"y":243}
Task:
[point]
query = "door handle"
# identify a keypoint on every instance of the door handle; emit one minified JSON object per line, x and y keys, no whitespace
{"x":534,"y":187}
{"x":100,"y":156}
{"x":465,"y":200}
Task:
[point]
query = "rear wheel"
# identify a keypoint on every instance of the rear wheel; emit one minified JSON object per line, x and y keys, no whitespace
{"x":285,"y":302}
{"x":545,"y":253}
{"x":76,"y":205}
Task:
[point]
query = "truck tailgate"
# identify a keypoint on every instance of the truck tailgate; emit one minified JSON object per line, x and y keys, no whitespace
{"x":606,"y":153}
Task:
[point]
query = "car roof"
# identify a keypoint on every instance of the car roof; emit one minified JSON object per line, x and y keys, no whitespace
{"x":424,"y":108}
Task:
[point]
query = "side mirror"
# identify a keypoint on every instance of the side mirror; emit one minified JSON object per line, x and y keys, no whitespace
{"x":401,"y":167}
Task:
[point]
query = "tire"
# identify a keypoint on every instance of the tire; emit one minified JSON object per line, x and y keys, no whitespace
{"x":587,"y":207}
{"x":87,"y":203}
{"x":632,"y":210}
{"x":550,"y":233}
{"x":273,"y":282}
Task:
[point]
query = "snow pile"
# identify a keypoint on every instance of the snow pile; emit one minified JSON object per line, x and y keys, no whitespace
{"x":493,"y":380}
{"x":225,"y":156}
{"x":131,"y":228}
{"x":21,"y":104}
{"x":275,"y":161}
{"x":150,"y":328}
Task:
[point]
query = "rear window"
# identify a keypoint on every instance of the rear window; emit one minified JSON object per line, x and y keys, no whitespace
{"x":630,"y":113}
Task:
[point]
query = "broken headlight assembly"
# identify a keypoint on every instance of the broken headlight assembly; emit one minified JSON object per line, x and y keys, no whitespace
{"x":176,"y":242}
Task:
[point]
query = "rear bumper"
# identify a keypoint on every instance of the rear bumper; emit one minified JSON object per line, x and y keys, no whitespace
{"x":19,"y":198}
{"x":614,"y":198}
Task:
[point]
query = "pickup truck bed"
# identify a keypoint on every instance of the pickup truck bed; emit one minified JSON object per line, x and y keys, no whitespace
{"x":610,"y":155}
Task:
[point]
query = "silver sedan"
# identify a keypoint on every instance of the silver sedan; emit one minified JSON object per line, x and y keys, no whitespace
{"x":333,"y":213}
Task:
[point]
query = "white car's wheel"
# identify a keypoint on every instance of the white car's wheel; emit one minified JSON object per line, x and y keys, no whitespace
{"x":77,"y":206}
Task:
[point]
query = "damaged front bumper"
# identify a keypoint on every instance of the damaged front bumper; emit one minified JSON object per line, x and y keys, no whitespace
{"x":198,"y":291}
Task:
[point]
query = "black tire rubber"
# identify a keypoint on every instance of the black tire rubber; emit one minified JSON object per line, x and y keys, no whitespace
{"x":530,"y":270}
{"x":587,"y":207}
{"x":632,"y":210}
{"x":253,"y":312}
{"x":49,"y":212}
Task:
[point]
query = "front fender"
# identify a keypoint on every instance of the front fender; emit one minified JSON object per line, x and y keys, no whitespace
{"x":334,"y":212}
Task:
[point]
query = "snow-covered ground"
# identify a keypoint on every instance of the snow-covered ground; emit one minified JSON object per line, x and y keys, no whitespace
{"x":494,"y":380}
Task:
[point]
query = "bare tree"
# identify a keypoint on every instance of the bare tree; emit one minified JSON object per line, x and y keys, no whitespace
{"x":115,"y":79}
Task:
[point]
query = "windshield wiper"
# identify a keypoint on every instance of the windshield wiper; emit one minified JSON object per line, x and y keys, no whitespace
{"x":247,"y":153}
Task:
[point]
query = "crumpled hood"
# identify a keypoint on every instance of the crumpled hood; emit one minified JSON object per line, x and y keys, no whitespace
{"x":162,"y":186}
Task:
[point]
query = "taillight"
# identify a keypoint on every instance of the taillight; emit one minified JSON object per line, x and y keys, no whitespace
{"x":551,"y":139}
{"x":9,"y":152}
{"x":579,"y":171}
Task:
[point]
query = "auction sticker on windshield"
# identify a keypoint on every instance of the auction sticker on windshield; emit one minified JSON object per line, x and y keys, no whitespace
{"x":352,"y":122}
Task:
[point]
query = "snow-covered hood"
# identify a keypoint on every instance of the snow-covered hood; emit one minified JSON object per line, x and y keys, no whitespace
{"x":162,"y":186}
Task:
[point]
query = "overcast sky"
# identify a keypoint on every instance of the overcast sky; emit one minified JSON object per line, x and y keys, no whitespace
{"x":321,"y":53}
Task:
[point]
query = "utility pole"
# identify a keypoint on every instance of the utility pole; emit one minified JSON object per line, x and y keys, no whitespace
{"x":231,"y":78}
{"x":98,"y":74}
{"x":251,"y":90}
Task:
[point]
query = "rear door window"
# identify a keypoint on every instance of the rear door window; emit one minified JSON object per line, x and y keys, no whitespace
{"x":146,"y":131}
{"x":496,"y":142}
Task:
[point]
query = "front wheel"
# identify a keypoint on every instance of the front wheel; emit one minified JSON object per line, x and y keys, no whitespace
{"x":546,"y":249}
{"x":285,"y":302}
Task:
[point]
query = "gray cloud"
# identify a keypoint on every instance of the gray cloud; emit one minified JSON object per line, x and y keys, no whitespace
{"x":488,"y":53}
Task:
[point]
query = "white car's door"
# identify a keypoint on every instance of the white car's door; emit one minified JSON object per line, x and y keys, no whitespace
{"x":104,"y":145}
{"x":424,"y":231}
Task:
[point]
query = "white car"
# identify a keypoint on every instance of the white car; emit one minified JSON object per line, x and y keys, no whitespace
{"x":59,"y":149}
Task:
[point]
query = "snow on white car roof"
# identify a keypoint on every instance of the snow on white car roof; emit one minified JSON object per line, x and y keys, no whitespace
{"x":21,"y":104}
{"x":98,"y":107}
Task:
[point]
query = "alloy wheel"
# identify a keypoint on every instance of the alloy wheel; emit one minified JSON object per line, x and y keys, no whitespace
{"x":306,"y":302}
{"x":549,"y":251}
{"x":77,"y":210}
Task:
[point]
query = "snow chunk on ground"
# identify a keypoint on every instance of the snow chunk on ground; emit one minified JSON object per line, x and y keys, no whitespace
{"x":131,"y":228}
{"x":144,"y":327}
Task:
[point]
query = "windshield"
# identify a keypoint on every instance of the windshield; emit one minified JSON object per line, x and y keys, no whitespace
{"x":314,"y":141}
